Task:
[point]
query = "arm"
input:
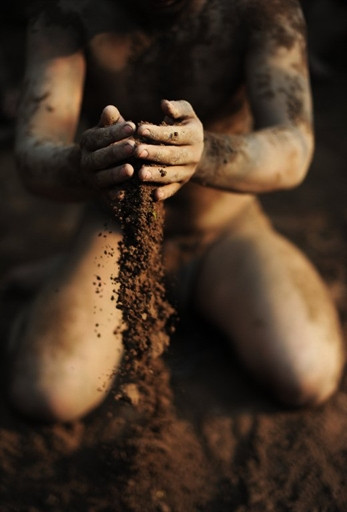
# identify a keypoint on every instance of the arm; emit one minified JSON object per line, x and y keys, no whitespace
{"x":48,"y":159}
{"x":276,"y":155}
{"x":50,"y":163}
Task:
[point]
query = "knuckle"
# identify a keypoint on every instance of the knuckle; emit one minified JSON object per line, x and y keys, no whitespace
{"x":113,"y":150}
{"x":162,"y":172}
{"x":115,"y":130}
{"x":99,"y":137}
{"x":196,"y":124}
{"x":86,"y":161}
{"x":123,"y":150}
{"x":176,"y":156}
{"x":96,"y":179}
{"x":86,"y":139}
{"x":186,"y":105}
{"x":176,"y":177}
{"x":95,"y":161}
{"x":102,"y":158}
{"x":157,"y":155}
{"x":196,"y":154}
{"x":198,"y":139}
{"x":185,"y":156}
{"x":114,"y":175}
{"x":172,"y":135}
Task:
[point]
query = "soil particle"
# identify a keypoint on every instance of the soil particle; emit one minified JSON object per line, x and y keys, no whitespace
{"x":147,"y":314}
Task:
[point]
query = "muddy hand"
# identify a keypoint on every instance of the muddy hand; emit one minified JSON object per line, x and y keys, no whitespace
{"x":173,"y":149}
{"x":105,"y":150}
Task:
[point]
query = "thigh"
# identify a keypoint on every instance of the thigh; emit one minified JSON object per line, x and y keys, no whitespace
{"x":182,"y":256}
{"x":81,"y":291}
{"x":270,"y":301}
{"x":66,"y":342}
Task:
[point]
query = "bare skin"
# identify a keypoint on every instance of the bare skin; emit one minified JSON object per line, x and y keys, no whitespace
{"x":239,"y":124}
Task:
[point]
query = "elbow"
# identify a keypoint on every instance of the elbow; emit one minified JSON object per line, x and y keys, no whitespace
{"x":25,"y":170}
{"x":300,"y":159}
{"x":29,"y":183}
{"x":28,"y":170}
{"x":27,"y":180}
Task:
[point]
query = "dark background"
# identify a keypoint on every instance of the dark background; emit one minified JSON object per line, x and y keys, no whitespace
{"x":230,"y":448}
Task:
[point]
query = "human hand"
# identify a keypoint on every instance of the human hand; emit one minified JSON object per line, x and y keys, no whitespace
{"x":105,"y":150}
{"x":173,"y":149}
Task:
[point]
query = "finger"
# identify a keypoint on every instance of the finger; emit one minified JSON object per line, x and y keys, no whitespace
{"x":162,"y":174}
{"x":166,"y":191}
{"x":97,"y":138}
{"x":113,"y":176}
{"x":110,"y":115}
{"x":167,"y":155}
{"x":109,"y":156}
{"x":178,"y":110}
{"x":178,"y":135}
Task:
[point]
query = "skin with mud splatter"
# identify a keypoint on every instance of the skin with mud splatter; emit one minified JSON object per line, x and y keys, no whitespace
{"x":238,"y":123}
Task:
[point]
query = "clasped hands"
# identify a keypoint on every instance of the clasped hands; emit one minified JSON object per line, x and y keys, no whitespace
{"x":169,"y":153}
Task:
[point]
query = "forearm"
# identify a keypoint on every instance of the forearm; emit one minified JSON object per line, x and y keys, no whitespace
{"x":51,"y":170}
{"x":266,"y":160}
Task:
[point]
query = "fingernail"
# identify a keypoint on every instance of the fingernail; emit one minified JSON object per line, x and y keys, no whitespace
{"x":143,"y":153}
{"x":145,"y":133}
{"x":129,"y":149}
{"x":127,"y":170}
{"x":127,"y":129}
{"x":146,"y":175}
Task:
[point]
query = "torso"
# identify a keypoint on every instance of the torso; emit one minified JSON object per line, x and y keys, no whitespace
{"x":196,"y":55}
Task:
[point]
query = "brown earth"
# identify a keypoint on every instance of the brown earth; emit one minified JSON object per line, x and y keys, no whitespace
{"x":212,"y":441}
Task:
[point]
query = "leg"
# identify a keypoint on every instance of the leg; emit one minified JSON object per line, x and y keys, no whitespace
{"x":64,"y":351}
{"x":262,"y":292}
{"x":26,"y":278}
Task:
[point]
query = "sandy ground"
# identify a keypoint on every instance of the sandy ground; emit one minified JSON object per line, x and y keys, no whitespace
{"x":223,"y":445}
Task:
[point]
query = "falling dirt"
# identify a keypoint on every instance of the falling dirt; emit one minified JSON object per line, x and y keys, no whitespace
{"x":147,"y":314}
{"x":153,"y":427}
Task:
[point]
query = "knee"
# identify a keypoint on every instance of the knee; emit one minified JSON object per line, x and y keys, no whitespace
{"x":51,"y":403}
{"x":305,"y":392}
{"x":310,"y":384}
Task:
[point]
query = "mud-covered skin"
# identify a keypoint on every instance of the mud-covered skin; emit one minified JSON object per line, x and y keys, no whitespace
{"x":229,"y":79}
{"x":210,"y":55}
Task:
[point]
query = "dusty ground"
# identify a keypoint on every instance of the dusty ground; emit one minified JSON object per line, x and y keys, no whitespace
{"x":221,"y":445}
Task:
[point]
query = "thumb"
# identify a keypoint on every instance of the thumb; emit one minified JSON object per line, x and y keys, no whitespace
{"x":110,"y":115}
{"x":177,"y":110}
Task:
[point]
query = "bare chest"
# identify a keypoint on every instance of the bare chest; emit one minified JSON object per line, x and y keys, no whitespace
{"x":199,"y":59}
